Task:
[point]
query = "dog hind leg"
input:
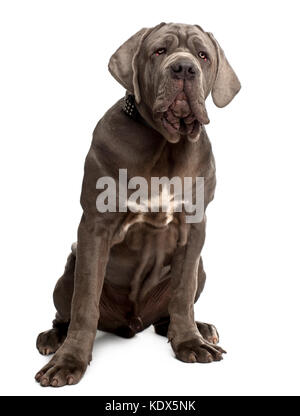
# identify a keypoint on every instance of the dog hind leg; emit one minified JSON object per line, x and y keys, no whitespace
{"x":49,"y":341}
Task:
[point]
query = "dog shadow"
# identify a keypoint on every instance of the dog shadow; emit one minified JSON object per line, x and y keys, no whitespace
{"x":105,"y":340}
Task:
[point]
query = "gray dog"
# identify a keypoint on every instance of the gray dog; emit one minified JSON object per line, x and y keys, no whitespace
{"x":130,"y":270}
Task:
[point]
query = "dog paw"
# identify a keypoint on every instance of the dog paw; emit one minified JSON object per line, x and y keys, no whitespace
{"x":48,"y":342}
{"x":208,"y":332}
{"x":199,"y":350}
{"x":63,"y":369}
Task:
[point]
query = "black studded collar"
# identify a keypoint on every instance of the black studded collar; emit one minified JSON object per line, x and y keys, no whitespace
{"x":131,"y":111}
{"x":129,"y":107}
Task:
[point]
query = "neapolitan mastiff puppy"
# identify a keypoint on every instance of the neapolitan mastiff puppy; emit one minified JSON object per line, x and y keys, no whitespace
{"x":133,"y":269}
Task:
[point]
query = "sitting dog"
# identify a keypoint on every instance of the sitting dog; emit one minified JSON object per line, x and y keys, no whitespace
{"x":132,"y":269}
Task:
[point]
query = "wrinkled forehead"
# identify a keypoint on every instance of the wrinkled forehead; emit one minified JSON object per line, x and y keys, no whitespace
{"x":178,"y":36}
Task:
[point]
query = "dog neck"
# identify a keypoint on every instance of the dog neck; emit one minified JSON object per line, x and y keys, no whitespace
{"x":130,"y":109}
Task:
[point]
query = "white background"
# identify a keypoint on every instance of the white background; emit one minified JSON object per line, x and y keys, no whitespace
{"x":54,"y":88}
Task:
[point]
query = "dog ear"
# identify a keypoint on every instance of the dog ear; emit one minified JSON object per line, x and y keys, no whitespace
{"x":226,"y":84}
{"x":123,"y":64}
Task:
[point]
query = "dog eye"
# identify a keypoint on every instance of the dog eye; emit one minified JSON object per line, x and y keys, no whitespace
{"x":203,"y":56}
{"x":160,"y":51}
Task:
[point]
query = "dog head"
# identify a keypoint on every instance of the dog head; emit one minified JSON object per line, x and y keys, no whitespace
{"x":171,"y":69}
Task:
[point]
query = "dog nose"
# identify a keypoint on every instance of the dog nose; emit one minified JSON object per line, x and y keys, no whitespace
{"x":183,"y":70}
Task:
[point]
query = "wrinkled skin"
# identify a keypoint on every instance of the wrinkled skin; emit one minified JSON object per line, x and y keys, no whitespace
{"x":174,"y":100}
{"x":131,"y":270}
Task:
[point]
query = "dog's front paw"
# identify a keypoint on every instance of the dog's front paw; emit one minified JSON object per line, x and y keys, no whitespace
{"x":198,"y":350}
{"x":64,"y":368}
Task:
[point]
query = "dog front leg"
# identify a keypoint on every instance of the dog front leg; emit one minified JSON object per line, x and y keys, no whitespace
{"x":70,"y":362}
{"x":186,"y":340}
